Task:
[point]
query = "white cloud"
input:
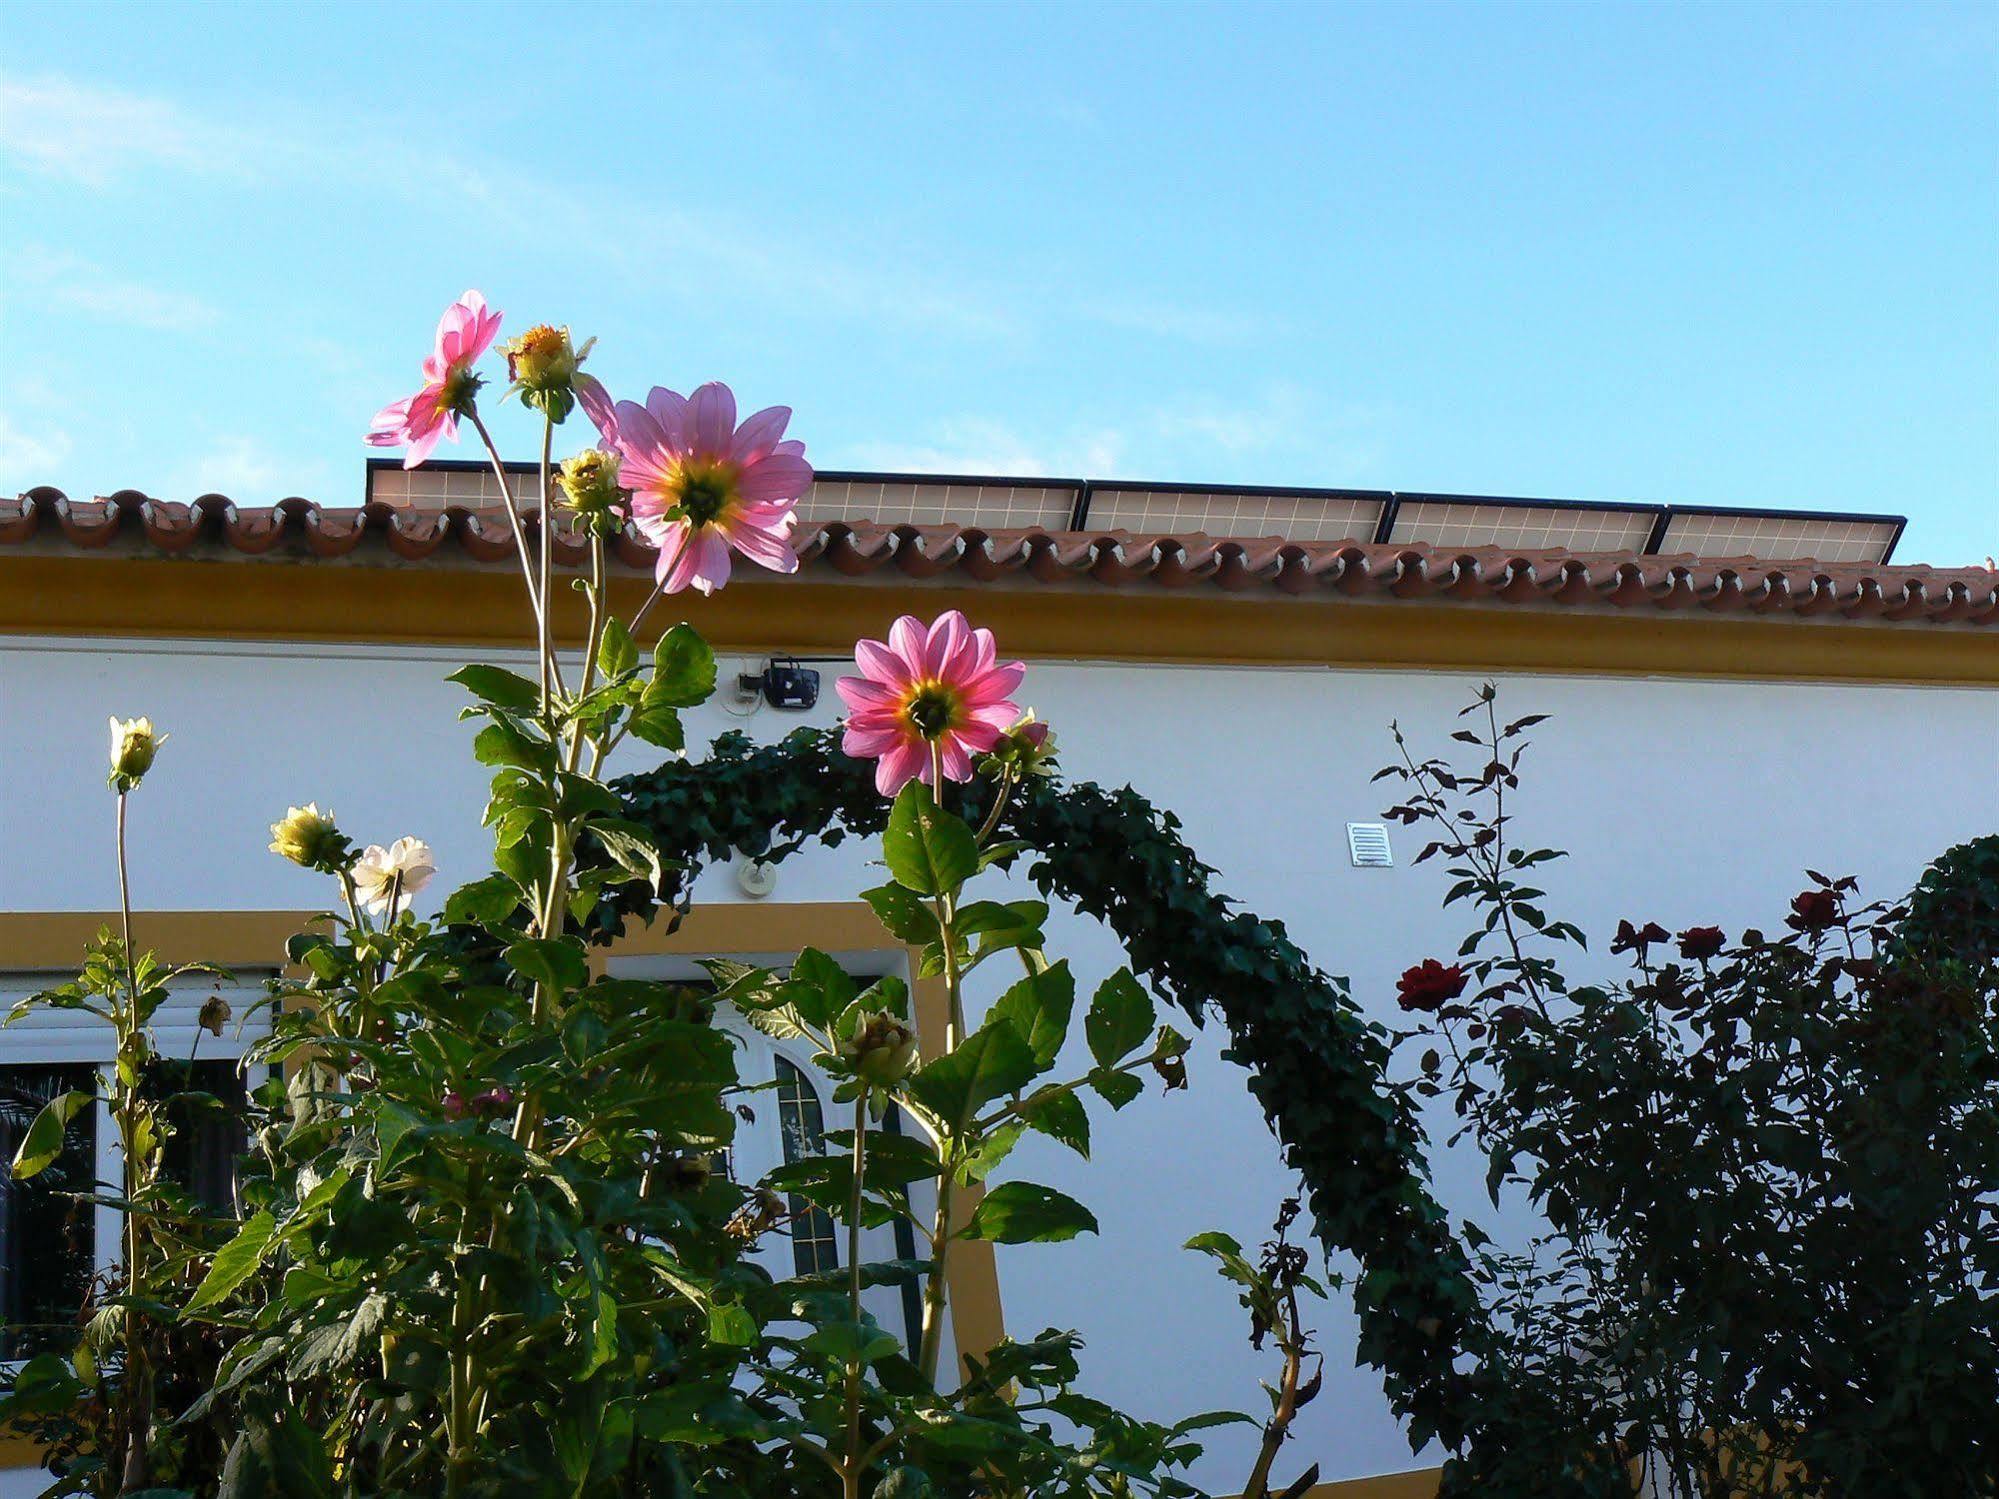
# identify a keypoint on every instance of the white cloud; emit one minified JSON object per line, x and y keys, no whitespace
{"x":1287,"y":430}
{"x":246,"y":471}
{"x":70,"y":281}
{"x":1176,"y":321}
{"x":29,"y":458}
{"x":90,"y":135}
{"x":981,"y":445}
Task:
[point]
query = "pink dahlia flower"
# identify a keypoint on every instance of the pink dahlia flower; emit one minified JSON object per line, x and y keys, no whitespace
{"x":702,"y":485}
{"x":464,"y":333}
{"x":935,"y":692}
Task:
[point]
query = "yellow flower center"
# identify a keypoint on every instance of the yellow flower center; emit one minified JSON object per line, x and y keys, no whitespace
{"x":703,"y":490}
{"x":932,"y":709}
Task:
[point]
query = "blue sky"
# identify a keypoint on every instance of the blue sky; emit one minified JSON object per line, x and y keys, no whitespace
{"x":1739,"y":255}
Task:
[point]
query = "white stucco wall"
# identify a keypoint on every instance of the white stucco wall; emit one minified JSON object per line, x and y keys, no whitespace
{"x":1682,"y":802}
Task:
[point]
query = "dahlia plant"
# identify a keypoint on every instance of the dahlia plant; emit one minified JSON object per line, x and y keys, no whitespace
{"x":483,"y":1245}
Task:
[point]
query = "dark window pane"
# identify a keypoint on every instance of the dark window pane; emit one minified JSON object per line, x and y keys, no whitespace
{"x":814,"y":1244}
{"x":209,"y":1134}
{"x":48,"y":1245}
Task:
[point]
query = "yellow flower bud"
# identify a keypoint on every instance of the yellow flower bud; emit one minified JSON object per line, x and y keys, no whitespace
{"x":590,"y":481}
{"x":133,"y":745}
{"x":308,"y":837}
{"x":882,"y":1050}
{"x":542,"y":359}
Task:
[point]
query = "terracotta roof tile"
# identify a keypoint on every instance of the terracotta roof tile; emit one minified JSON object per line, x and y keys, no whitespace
{"x":1405,"y":570}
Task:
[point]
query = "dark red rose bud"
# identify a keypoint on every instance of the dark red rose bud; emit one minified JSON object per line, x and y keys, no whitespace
{"x":1636,"y":939}
{"x":1429,"y":985}
{"x":1814,"y":911}
{"x":1698,"y":942}
{"x":495,"y":1100}
{"x":453,"y":1104}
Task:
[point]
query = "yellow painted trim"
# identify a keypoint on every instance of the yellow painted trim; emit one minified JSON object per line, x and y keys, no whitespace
{"x":1420,"y":1483}
{"x":54,"y":940}
{"x":972,"y":1277}
{"x":175,"y":598}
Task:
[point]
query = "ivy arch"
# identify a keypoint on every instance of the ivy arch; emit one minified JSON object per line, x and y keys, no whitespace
{"x":1316,"y":1064}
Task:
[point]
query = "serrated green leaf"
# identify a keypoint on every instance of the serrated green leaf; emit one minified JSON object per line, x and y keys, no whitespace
{"x":617,"y":652}
{"x":555,"y":962}
{"x":683,"y":670}
{"x":1120,"y":1018}
{"x":1024,"y":1213}
{"x":905,"y":914}
{"x":1039,"y":1007}
{"x":497,"y":685}
{"x":994,"y":1062}
{"x":43,"y":1142}
{"x":928,"y":850}
{"x":236,"y":1261}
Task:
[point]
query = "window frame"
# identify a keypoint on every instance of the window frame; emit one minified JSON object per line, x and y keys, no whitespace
{"x":770,"y":933}
{"x":42,"y":948}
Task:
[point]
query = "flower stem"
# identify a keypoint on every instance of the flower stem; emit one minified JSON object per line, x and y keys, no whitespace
{"x":137,"y":1389}
{"x":851,"y":1470}
{"x":545,"y":527}
{"x":513,"y":515}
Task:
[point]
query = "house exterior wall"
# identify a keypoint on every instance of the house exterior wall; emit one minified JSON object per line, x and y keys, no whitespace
{"x":1682,"y":800}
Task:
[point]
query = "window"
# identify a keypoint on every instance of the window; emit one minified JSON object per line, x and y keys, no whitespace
{"x":48,"y":1250}
{"x":53,"y":1246}
{"x":801,"y":1126}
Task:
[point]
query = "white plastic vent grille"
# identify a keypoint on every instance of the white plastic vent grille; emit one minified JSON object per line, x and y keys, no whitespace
{"x":1367,"y":844}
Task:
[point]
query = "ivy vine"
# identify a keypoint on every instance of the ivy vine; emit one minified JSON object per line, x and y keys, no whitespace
{"x":1316,"y":1064}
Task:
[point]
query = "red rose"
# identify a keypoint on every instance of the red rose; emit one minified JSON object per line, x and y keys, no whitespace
{"x":1814,"y":911}
{"x":1429,"y":985}
{"x":1698,"y":942}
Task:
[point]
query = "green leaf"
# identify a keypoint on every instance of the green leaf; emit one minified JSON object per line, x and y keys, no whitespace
{"x":499,"y":686}
{"x":851,"y":1343}
{"x":991,"y":1064}
{"x":504,"y":742}
{"x":928,"y":850}
{"x":1039,"y":1007}
{"x":683,"y":670}
{"x":1116,"y":1088}
{"x":631,"y":848}
{"x":1023,"y":1213}
{"x":487,"y":902}
{"x":1120,"y":1018}
{"x":236,"y":1261}
{"x":617,"y":652}
{"x":995,"y":1148}
{"x":44,"y":1139}
{"x":555,"y":962}
{"x":659,"y":725}
{"x":904,"y":913}
{"x":818,"y":988}
{"x":731,"y":1325}
{"x":1060,"y":1116}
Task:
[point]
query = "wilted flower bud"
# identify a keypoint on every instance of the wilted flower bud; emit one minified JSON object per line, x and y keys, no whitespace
{"x":541,"y":359}
{"x":452,"y":1104}
{"x":1028,"y":749}
{"x":309,"y":839}
{"x":495,"y":1100}
{"x":544,"y":366}
{"x":689,"y":1172}
{"x":133,"y":745}
{"x":590,"y":482}
{"x":215,"y":1014}
{"x":882,"y":1050}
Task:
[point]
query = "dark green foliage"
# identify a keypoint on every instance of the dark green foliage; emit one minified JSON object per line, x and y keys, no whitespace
{"x":1315,"y":1063}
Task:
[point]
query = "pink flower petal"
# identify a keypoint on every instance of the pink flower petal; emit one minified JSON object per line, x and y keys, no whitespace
{"x":766,"y":548}
{"x":906,"y":638}
{"x":759,"y":434}
{"x":775,"y":478}
{"x":861,"y":695}
{"x":668,"y":409}
{"x":900,"y":766}
{"x":598,"y":406}
{"x":957,"y":764}
{"x":862,"y":741}
{"x":882,"y":663}
{"x":713,"y":408}
{"x":711,"y":560}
